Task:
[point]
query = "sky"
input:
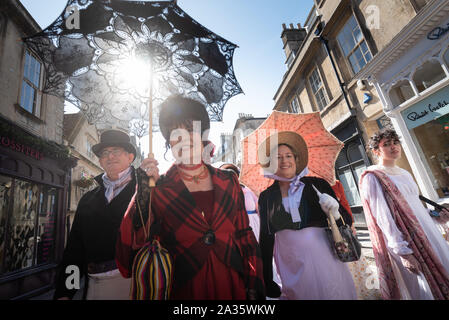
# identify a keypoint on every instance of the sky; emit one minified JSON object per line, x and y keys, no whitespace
{"x":259,"y":61}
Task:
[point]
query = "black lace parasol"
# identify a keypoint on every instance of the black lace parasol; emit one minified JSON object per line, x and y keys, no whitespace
{"x":102,"y":56}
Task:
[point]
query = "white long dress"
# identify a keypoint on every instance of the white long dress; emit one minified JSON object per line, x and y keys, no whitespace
{"x":308,"y":268}
{"x":411,"y":286}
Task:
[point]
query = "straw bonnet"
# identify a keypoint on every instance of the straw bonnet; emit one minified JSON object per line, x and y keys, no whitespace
{"x":290,"y":138}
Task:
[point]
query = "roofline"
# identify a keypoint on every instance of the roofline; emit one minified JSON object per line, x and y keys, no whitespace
{"x":30,"y":25}
{"x":296,"y":64}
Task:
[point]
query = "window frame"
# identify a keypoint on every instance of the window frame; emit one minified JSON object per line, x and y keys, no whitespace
{"x":290,"y":59}
{"x":322,"y":87}
{"x":37,"y":101}
{"x":89,"y":145}
{"x":357,"y":45}
{"x":292,"y":108}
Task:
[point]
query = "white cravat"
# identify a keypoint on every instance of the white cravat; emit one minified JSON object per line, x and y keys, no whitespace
{"x":113,"y":188}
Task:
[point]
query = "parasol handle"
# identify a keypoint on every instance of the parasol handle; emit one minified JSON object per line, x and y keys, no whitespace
{"x":333,"y":225}
{"x":151,"y":181}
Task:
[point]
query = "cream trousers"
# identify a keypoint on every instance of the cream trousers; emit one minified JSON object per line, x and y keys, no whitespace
{"x":108,"y":286}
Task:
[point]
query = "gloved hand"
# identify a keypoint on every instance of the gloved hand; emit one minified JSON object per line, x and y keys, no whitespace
{"x":328,"y":204}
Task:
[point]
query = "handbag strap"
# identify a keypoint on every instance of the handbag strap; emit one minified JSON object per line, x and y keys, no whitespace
{"x":146,"y":229}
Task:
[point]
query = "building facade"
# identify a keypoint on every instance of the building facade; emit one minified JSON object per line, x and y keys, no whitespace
{"x":80,"y":136}
{"x":245,"y":124}
{"x":324,"y":59}
{"x":411,"y":77}
{"x":230,"y":149}
{"x":34,"y":164}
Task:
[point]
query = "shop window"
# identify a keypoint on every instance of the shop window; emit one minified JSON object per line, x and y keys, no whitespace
{"x":5,"y":201}
{"x":433,"y":138}
{"x":30,"y":96}
{"x":428,"y":74}
{"x":353,"y":45}
{"x":28,"y":239}
{"x":401,"y":92}
{"x":318,"y":90}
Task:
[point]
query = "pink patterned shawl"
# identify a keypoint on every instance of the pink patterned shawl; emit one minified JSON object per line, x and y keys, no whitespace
{"x":408,"y":225}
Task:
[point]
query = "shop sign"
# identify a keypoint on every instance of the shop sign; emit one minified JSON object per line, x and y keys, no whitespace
{"x":426,"y":110}
{"x":19,"y":147}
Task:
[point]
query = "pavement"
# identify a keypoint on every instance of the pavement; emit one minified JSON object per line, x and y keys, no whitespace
{"x":49,"y":294}
{"x":367,"y":248}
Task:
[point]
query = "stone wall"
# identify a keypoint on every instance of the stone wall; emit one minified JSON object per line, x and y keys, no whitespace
{"x":48,"y":125}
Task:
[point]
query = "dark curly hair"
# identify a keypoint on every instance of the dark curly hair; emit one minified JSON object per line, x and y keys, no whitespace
{"x":386,"y":133}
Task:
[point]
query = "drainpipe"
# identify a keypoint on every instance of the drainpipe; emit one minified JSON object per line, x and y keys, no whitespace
{"x":325,"y":42}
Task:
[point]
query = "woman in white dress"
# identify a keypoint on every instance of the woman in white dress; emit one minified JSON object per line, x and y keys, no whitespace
{"x":250,"y":201}
{"x":292,"y":222}
{"x":411,"y":254}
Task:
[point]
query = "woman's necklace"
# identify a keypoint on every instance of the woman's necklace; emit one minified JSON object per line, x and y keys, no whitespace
{"x":194,"y":177}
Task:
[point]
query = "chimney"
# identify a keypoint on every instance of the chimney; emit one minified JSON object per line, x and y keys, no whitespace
{"x":292,"y":38}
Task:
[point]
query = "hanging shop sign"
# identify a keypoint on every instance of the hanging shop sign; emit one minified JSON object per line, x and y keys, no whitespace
{"x":426,"y":110}
{"x":8,"y":142}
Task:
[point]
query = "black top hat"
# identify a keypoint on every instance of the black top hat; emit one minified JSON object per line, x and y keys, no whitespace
{"x":114,"y":138}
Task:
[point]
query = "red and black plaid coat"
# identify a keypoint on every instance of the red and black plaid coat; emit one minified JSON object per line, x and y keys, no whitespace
{"x":180,"y":227}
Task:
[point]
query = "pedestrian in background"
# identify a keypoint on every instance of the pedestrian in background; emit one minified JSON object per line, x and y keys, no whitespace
{"x":250,"y":201}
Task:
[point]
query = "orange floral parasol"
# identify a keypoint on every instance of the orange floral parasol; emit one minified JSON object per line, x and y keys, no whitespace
{"x":322,"y":145}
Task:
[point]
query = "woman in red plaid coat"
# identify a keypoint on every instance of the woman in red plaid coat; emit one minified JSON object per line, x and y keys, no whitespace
{"x":197,"y":213}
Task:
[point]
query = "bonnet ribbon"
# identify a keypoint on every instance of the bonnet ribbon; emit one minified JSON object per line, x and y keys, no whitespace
{"x":294,"y":192}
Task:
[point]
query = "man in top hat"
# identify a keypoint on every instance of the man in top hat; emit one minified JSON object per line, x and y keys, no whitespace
{"x":90,"y":247}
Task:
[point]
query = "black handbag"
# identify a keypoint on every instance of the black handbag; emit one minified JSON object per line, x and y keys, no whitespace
{"x":344,"y":243}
